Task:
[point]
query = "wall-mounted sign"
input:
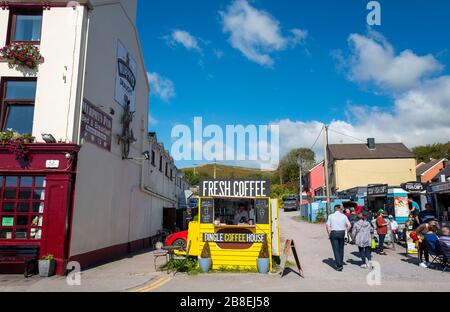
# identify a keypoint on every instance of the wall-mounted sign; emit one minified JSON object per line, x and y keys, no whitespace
{"x":52,"y":164}
{"x":8,"y":221}
{"x":234,"y":238}
{"x":377,"y":190}
{"x":413,"y":187}
{"x":262,"y":210}
{"x":440,"y":187}
{"x":235,"y":188}
{"x":207,"y":210}
{"x":125,"y":77}
{"x":96,"y":126}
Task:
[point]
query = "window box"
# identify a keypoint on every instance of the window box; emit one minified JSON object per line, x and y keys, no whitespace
{"x":21,"y":54}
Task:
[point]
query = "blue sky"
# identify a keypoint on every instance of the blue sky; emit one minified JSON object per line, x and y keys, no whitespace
{"x":204,"y":64}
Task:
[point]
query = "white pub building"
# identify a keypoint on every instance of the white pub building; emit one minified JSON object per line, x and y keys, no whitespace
{"x":93,"y":183}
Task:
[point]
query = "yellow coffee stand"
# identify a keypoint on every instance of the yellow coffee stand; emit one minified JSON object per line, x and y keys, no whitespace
{"x":235,"y":244}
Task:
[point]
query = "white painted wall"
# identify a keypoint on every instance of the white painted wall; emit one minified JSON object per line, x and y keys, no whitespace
{"x":109,"y":207}
{"x":57,"y":76}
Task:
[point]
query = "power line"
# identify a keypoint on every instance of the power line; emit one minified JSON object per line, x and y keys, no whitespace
{"x":317,"y":140}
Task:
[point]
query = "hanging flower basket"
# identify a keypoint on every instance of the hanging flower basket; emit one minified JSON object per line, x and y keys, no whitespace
{"x":17,"y":144}
{"x":21,"y":54}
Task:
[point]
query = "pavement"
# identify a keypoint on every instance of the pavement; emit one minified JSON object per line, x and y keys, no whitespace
{"x":135,"y":273}
{"x":395,"y":272}
{"x":398,"y":272}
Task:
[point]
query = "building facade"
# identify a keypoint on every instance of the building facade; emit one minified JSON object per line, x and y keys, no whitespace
{"x":426,"y":172}
{"x":356,"y":165}
{"x":315,"y":181}
{"x":97,"y":188}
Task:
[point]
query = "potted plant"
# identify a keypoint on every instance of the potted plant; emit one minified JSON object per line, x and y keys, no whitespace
{"x":263,"y":261}
{"x":205,"y":258}
{"x":47,"y":266}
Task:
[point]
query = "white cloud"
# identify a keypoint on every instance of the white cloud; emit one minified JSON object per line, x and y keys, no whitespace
{"x":184,"y":38}
{"x":421,"y":105}
{"x":161,"y":87}
{"x":299,"y":35}
{"x":256,"y":33}
{"x":373,"y":59}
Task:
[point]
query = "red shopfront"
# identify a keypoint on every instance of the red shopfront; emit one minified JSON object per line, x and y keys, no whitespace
{"x":36,"y":200}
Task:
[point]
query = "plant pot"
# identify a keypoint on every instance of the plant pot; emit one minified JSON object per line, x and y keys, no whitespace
{"x":47,"y":268}
{"x":205,"y":264}
{"x":263,"y":265}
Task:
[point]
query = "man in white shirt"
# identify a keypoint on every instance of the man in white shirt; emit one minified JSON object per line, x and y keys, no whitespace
{"x":337,"y":224}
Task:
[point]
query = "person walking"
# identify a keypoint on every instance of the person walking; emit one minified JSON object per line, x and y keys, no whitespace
{"x":337,"y":224}
{"x":382,"y":230}
{"x":362,"y":234}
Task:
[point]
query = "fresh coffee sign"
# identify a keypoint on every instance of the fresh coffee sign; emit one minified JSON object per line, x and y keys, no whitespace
{"x":235,"y":188}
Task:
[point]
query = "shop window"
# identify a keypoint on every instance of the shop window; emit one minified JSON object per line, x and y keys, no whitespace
{"x":25,"y":26}
{"x":17,"y":105}
{"x":22,"y":207}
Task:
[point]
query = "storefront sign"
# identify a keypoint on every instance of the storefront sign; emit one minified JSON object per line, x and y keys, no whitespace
{"x":207,"y":210}
{"x":125,"y":77}
{"x":233,"y":238}
{"x":8,"y":221}
{"x":235,"y":188}
{"x":377,"y":190}
{"x":441,"y":187}
{"x":413,"y":187}
{"x":96,"y":126}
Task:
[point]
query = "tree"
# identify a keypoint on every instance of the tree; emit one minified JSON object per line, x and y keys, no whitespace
{"x":435,"y":151}
{"x":289,"y":168}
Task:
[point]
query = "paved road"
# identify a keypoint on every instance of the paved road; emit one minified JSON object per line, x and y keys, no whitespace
{"x":398,"y":272}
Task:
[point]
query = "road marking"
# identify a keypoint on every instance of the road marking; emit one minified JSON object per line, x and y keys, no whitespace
{"x":154,"y":285}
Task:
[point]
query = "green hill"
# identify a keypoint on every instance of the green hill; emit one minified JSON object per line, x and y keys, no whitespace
{"x":228,"y":172}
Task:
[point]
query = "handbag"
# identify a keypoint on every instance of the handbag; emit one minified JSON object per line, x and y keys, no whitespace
{"x":374,"y":243}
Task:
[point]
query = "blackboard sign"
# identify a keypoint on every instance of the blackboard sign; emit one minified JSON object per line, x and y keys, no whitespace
{"x":290,"y":245}
{"x":207,"y":211}
{"x":262,"y":210}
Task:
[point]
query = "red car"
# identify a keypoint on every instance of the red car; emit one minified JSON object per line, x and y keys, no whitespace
{"x":177,"y":239}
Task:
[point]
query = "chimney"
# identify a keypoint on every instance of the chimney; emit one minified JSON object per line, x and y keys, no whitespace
{"x":371,"y":143}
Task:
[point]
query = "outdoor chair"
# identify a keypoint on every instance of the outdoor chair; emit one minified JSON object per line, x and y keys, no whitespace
{"x":159,"y":253}
{"x":437,"y":256}
{"x":445,"y":248}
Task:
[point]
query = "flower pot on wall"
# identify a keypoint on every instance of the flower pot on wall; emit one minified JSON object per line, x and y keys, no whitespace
{"x":263,"y":265}
{"x":47,"y":268}
{"x":205,"y":264}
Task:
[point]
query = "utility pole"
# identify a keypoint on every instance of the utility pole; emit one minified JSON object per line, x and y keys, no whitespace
{"x":300,"y":163}
{"x":215,"y":168}
{"x":195,"y":169}
{"x":327,"y":177}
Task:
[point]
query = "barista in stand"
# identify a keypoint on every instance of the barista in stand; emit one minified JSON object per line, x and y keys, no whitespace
{"x":241,"y":215}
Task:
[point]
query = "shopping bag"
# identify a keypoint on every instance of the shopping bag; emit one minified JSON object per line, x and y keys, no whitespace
{"x":374,"y":243}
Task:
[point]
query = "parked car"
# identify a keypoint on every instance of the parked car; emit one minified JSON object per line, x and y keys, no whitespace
{"x":291,"y":204}
{"x":177,"y":239}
